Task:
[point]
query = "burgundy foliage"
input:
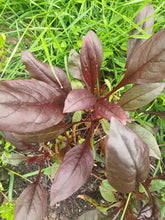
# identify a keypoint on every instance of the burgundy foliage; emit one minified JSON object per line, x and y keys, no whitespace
{"x":109,"y":109}
{"x":73,"y":172}
{"x":150,"y":211}
{"x":32,"y":203}
{"x":147,"y":26}
{"x":35,"y":110}
{"x":25,"y":107}
{"x":127,"y":158}
{"x":79,"y":99}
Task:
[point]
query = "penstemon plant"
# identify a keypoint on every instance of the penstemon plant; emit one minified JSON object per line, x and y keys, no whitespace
{"x":34,"y":111}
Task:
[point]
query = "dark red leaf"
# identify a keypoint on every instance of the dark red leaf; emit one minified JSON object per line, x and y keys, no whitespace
{"x":73,"y":172}
{"x":127,"y":158}
{"x":28,"y":106}
{"x":150,"y":211}
{"x":79,"y":99}
{"x":147,"y":26}
{"x":36,"y":159}
{"x":147,"y":64}
{"x":89,"y":63}
{"x":43,"y":72}
{"x":97,"y":45}
{"x":41,"y":136}
{"x":32,"y":203}
{"x":13,"y":140}
{"x":140,"y":95}
{"x":108,"y":110}
{"x":146,"y":212}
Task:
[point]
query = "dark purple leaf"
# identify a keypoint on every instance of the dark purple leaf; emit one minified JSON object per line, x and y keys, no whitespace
{"x":89,"y":63}
{"x":147,"y":64}
{"x":150,"y":211}
{"x":28,"y":106}
{"x":13,"y":140}
{"x":79,"y":99}
{"x":134,"y":43}
{"x":127,"y":158}
{"x":108,"y":110}
{"x":74,"y":65}
{"x":97,"y":45}
{"x":146,"y":212}
{"x":32,"y":203}
{"x":41,"y":136}
{"x":140,"y":95}
{"x":73,"y":172}
{"x":43,"y":72}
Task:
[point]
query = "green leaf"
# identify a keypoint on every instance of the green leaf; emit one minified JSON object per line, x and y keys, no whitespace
{"x":148,"y":138}
{"x":92,"y":215}
{"x":107,"y":191}
{"x":77,"y":116}
{"x":13,"y":158}
{"x":51,"y":171}
{"x":157,"y":185}
{"x":105,"y":125}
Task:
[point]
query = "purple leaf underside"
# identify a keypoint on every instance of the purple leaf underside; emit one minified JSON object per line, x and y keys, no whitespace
{"x":73,"y":172}
{"x":147,"y":65}
{"x":13,"y":140}
{"x":134,"y":43}
{"x":32,"y":203}
{"x":28,"y":106}
{"x":140,"y":95}
{"x":108,"y":110}
{"x":127,"y":158}
{"x":97,"y":46}
{"x":21,"y":141}
{"x":43,"y":72}
{"x":89,"y":63}
{"x":79,"y":99}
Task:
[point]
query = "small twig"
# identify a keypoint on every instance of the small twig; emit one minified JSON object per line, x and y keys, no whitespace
{"x":4,"y":196}
{"x":99,"y":178}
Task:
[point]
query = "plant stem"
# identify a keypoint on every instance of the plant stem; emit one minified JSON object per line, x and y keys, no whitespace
{"x":126,"y":205}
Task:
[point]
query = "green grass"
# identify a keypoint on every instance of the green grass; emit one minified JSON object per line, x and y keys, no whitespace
{"x":57,"y":27}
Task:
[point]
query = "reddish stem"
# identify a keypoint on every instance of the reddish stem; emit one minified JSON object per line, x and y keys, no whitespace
{"x":43,"y":161}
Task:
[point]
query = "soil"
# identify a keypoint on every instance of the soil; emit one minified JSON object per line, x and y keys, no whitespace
{"x":71,"y":208}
